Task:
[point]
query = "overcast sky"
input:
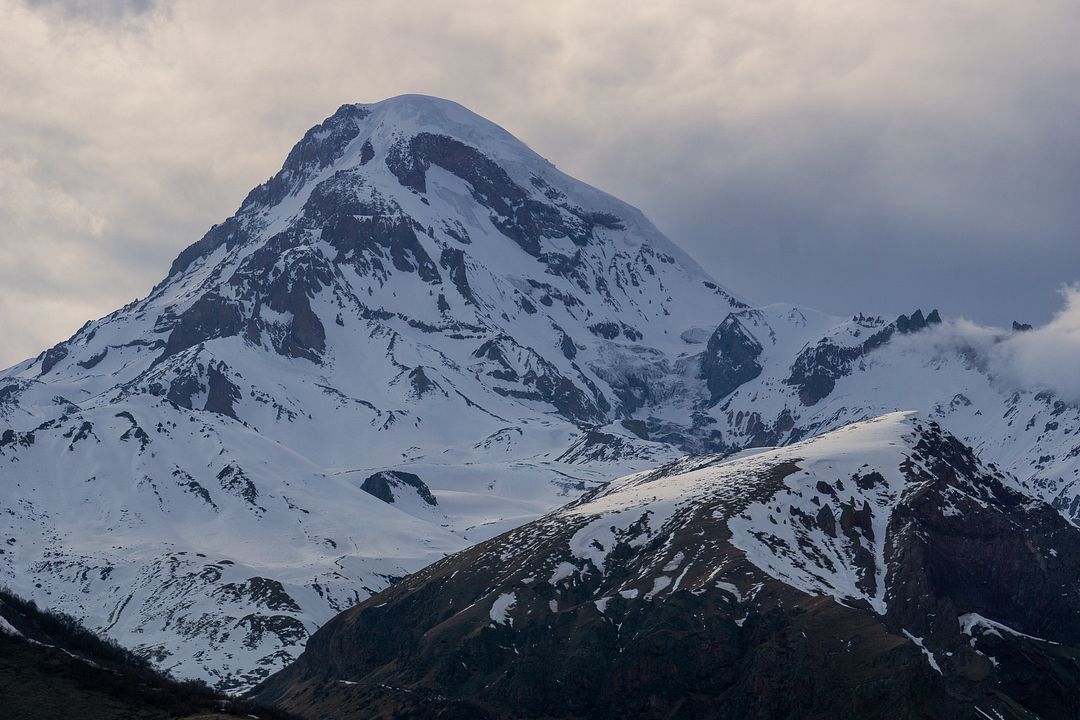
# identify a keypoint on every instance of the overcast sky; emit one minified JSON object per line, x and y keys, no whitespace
{"x":851,"y":155}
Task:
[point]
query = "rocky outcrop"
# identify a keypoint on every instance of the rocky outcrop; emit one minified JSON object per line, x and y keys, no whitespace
{"x":917,"y":322}
{"x":515,"y":213}
{"x":228,"y":234}
{"x":730,"y":358}
{"x":211,"y":316}
{"x":221,"y":392}
{"x":517,"y":216}
{"x":453,"y":261}
{"x":51,"y":357}
{"x":534,"y":378}
{"x":816,"y":370}
{"x":389,"y":484}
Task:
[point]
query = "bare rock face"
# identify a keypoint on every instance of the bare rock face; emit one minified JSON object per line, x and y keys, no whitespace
{"x":880,"y":571}
{"x":389,"y":484}
{"x":730,"y":359}
{"x":211,"y":316}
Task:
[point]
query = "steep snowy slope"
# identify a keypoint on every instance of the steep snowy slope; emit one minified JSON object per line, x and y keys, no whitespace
{"x":414,"y":290}
{"x":877,"y":571}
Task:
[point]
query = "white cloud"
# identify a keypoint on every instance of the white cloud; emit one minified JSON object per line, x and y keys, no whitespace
{"x":1047,"y":357}
{"x":1043,"y":358}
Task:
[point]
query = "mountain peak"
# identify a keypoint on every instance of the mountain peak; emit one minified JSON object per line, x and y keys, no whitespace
{"x":415,"y":113}
{"x":391,"y":144}
{"x":413,"y":285}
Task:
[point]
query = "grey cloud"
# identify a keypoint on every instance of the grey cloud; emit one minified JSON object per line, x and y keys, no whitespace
{"x":850,"y":156}
{"x":104,"y":11}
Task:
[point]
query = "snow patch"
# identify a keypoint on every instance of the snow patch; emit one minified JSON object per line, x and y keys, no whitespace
{"x":7,"y":628}
{"x":500,"y":609}
{"x":929,"y":655}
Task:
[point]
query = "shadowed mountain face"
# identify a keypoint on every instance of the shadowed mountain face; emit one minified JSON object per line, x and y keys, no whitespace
{"x":415,"y":336}
{"x":880,"y":571}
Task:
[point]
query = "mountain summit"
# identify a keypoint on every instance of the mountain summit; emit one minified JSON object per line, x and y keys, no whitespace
{"x":416,"y":335}
{"x":193,"y":473}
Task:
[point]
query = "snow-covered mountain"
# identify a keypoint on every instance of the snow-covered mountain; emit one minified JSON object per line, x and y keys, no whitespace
{"x":417,"y":335}
{"x":200,"y":474}
{"x":877,"y":571}
{"x":787,"y":373}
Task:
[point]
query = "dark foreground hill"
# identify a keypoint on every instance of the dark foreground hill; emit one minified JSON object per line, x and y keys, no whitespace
{"x":51,"y":667}
{"x":877,"y":571}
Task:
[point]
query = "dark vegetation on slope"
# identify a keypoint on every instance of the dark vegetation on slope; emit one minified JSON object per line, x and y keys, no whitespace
{"x":964,"y":542}
{"x":57,"y":668}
